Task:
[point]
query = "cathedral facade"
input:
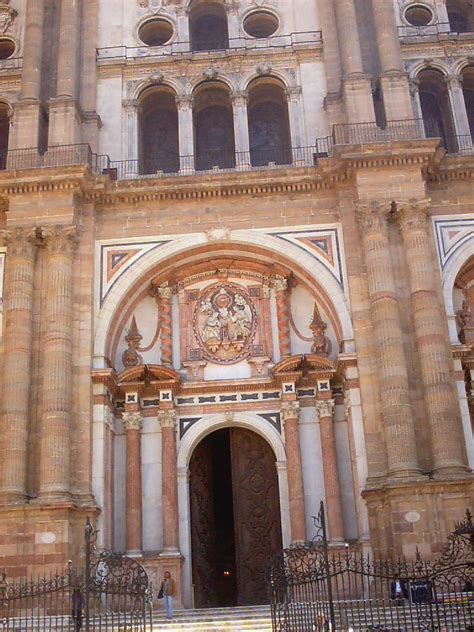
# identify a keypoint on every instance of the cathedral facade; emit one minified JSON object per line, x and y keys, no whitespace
{"x":237,"y":278}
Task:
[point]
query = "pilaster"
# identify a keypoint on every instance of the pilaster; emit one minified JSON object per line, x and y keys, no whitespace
{"x":186,"y":133}
{"x":133,"y":423}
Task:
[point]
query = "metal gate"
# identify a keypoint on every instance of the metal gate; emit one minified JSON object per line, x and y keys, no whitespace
{"x":111,"y":592}
{"x":316,"y":590}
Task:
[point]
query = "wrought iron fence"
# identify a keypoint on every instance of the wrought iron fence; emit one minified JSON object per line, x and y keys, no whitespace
{"x":315,"y":589}
{"x":111,"y":592}
{"x":370,"y":133}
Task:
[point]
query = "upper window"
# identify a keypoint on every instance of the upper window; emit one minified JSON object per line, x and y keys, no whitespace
{"x":261,"y":24}
{"x":7,"y":48}
{"x":418,"y":15}
{"x":208,"y":26}
{"x":460,"y":15}
{"x":156,"y":32}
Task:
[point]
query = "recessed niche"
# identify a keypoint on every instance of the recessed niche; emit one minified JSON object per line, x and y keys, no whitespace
{"x":155,"y":32}
{"x":7,"y":48}
{"x":261,"y":24}
{"x":418,"y":15}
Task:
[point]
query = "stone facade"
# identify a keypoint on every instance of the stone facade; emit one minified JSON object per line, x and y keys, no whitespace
{"x":300,"y":265}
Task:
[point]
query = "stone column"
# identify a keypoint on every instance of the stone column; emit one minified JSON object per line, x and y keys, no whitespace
{"x":167,"y":420}
{"x":433,"y":349}
{"x":186,"y":133}
{"x":64,"y":128}
{"x":88,"y":75}
{"x":298,"y":140}
{"x":290,"y":417}
{"x":133,"y":423}
{"x":241,"y":128}
{"x":54,"y":476}
{"x":131,"y":112}
{"x":164,"y":297}
{"x":332,"y":486}
{"x":282,"y":298}
{"x":458,"y":108}
{"x":233,"y":25}
{"x":17,"y":341}
{"x":184,"y":41}
{"x":356,"y":85}
{"x":393,"y":80}
{"x":27,"y":116}
{"x":400,"y":439}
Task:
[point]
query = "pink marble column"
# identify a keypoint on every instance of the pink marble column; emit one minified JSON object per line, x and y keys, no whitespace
{"x":133,"y":423}
{"x":282,"y":298}
{"x":17,"y":341}
{"x":167,"y":420}
{"x":290,"y":417}
{"x":325,"y":411}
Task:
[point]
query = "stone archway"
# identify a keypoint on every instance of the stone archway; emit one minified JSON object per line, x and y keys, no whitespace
{"x":235,"y":517}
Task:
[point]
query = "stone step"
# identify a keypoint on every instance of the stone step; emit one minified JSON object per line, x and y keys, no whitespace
{"x":241,"y":619}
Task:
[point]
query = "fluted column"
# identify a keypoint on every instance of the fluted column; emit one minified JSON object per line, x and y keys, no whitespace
{"x":290,"y":417}
{"x":241,"y":128}
{"x":394,"y":81}
{"x":283,"y":316}
{"x":165,"y":296}
{"x":167,"y":420}
{"x":433,"y":350}
{"x":332,"y":486}
{"x":17,"y":341}
{"x":186,"y":133}
{"x":133,"y":423}
{"x":397,"y":414}
{"x":60,"y":244}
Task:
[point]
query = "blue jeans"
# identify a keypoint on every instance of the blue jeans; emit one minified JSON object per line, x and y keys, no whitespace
{"x":169,"y":605}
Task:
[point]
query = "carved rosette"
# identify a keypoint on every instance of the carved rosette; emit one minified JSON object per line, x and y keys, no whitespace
{"x":167,"y":419}
{"x":132,"y":420}
{"x":325,"y":408}
{"x":290,"y":410}
{"x":225,"y":323}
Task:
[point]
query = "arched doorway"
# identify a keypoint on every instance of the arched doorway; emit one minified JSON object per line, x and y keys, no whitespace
{"x":235,"y":518}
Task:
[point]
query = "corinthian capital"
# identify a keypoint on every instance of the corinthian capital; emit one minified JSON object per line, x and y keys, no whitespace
{"x":325,"y":408}
{"x":280,"y":284}
{"x":413,"y":214}
{"x":60,"y":240}
{"x":167,"y":418}
{"x":21,"y":242}
{"x":290,"y":410}
{"x":132,"y":421}
{"x":372,"y":216}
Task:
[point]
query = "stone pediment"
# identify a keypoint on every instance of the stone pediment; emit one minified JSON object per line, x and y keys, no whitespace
{"x":149,"y":373}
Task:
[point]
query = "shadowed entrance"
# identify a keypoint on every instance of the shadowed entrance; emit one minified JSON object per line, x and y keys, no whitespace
{"x":235,"y":518}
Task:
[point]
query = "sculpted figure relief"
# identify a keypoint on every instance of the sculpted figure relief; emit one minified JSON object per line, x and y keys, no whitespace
{"x":224,"y":323}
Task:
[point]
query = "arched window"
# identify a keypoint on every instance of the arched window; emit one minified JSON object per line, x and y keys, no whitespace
{"x":269,"y":127}
{"x":4,"y":133}
{"x":213,"y":127}
{"x":208,"y":26}
{"x":436,"y":107}
{"x":460,"y":15}
{"x":468,"y":91}
{"x":158,"y":129}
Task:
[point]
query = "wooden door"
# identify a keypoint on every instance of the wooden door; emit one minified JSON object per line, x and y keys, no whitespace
{"x":203,"y":531}
{"x":256,"y":513}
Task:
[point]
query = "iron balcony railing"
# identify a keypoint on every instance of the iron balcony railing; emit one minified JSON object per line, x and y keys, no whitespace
{"x":292,"y":40}
{"x":169,"y":164}
{"x":431,"y":30}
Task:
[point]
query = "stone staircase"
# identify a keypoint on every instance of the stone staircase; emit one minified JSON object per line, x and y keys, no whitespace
{"x":243,"y":619}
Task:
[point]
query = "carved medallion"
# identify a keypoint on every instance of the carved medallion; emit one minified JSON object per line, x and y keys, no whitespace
{"x":224,"y":323}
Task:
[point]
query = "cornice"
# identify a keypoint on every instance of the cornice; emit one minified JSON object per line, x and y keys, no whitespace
{"x":453,"y":168}
{"x":47,"y":179}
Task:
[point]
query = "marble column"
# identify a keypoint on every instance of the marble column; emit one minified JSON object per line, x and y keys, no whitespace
{"x":165,"y":307}
{"x":17,"y":342}
{"x":54,"y":476}
{"x":167,"y":420}
{"x":27,"y":117}
{"x":397,"y":414}
{"x":433,"y":349}
{"x":393,"y":79}
{"x":241,"y":128}
{"x":133,"y":423}
{"x":332,"y":486}
{"x":64,"y":127}
{"x":186,"y":133}
{"x":458,"y":108}
{"x":290,"y":417}
{"x":282,"y":298}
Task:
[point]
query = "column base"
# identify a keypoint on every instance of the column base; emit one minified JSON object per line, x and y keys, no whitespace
{"x":12,"y":498}
{"x":451,"y":472}
{"x":53,"y":498}
{"x":134,"y":553}
{"x":406,"y":475}
{"x":156,"y":565}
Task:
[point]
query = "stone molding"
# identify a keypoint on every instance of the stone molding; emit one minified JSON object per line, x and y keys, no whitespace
{"x":372,"y":216}
{"x":168,"y":419}
{"x":60,"y":240}
{"x":280,"y":284}
{"x":325,"y":408}
{"x":20,"y":242}
{"x":132,"y":420}
{"x":290,"y":410}
{"x":413,"y":214}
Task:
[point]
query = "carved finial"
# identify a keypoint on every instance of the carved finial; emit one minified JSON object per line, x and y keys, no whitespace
{"x":131,"y":357}
{"x":321,"y":344}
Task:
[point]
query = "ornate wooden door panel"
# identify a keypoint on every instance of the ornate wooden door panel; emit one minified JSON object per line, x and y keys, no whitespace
{"x":203,"y":533}
{"x":256,"y":513}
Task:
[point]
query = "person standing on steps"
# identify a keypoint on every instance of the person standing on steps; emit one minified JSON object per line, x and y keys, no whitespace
{"x":168,"y":586}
